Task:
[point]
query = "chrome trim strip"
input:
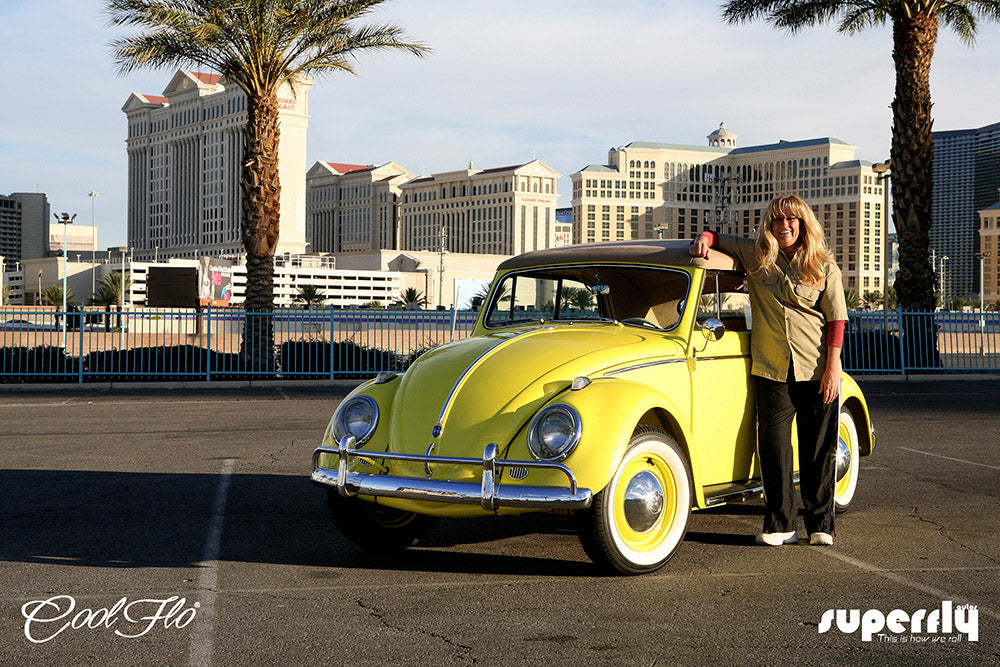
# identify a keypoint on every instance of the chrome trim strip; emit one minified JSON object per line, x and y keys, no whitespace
{"x":439,"y":428}
{"x":646,"y":365}
{"x":724,"y":356}
{"x":486,"y":493}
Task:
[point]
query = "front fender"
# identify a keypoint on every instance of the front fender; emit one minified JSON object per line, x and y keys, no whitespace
{"x":383,"y":394}
{"x":609,"y":409}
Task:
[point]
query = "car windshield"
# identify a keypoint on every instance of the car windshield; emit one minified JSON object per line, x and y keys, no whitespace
{"x":638,"y":295}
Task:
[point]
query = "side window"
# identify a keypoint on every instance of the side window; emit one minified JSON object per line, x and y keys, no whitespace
{"x":524,"y":298}
{"x":725,"y":297}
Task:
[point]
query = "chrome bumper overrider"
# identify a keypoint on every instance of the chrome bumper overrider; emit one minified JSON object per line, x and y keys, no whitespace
{"x":490,"y":494}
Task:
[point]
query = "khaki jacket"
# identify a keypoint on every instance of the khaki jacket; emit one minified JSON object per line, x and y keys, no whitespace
{"x":788,"y":316}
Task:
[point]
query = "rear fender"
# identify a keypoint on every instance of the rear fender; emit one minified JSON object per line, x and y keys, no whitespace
{"x":853,"y":399}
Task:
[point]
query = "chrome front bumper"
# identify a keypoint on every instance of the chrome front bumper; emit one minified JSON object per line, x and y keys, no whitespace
{"x":489,"y":494}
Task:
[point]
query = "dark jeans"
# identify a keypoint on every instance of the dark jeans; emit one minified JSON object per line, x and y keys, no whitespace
{"x":817,"y":425}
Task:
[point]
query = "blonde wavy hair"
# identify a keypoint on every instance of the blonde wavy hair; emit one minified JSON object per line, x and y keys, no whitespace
{"x":811,"y":253}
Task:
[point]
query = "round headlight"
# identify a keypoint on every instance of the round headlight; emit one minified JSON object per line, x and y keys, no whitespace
{"x":554,"y":433}
{"x":356,"y":416}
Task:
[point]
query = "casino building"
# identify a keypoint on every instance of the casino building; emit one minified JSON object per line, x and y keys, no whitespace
{"x":184,"y":151}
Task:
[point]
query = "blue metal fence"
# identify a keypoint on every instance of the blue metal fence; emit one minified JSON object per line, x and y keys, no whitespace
{"x":45,"y":345}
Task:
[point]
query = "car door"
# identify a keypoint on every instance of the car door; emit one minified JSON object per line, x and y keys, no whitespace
{"x":723,"y":421}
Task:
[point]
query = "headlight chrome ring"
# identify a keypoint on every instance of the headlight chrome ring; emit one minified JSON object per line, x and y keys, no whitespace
{"x":356,"y":416}
{"x":554,"y":432}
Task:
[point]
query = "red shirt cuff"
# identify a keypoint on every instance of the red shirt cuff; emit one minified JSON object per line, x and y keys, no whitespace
{"x":713,"y":238}
{"x":835,"y":333}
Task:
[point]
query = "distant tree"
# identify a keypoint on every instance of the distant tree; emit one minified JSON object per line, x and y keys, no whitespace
{"x":993,"y":307}
{"x":892,"y":298}
{"x":959,"y":303}
{"x":873,"y":299}
{"x":309,"y":297}
{"x":580,"y":298}
{"x":412,"y":299}
{"x":5,"y":299}
{"x":53,"y":295}
{"x":110,"y":293}
{"x":479,"y":298}
{"x":852,"y":299}
{"x":372,"y":305}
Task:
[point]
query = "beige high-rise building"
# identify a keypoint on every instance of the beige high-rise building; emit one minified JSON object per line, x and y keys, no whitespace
{"x":502,"y":211}
{"x":989,"y":246}
{"x":184,"y":153}
{"x":353,"y":207}
{"x":650,"y":190}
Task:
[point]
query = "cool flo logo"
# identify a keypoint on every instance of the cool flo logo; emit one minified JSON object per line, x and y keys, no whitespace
{"x":44,"y":620}
{"x":963,"y":618}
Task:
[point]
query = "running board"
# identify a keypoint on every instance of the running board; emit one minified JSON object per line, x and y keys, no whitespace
{"x":720,"y":494}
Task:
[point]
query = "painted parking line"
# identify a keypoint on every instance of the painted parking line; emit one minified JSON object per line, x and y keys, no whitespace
{"x":896,"y":577}
{"x":949,"y":458}
{"x":904,"y":581}
{"x":203,"y":634}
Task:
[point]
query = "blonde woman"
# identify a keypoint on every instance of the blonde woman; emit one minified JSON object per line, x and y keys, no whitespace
{"x":799,"y":313}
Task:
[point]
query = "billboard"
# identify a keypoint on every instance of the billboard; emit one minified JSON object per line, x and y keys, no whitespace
{"x":215,"y":281}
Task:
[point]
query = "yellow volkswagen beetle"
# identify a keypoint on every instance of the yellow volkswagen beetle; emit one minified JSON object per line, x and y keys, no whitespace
{"x":612,"y":380}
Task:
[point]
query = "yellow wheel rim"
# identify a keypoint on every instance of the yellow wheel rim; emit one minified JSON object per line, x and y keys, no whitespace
{"x":654,"y":536}
{"x":844,"y":483}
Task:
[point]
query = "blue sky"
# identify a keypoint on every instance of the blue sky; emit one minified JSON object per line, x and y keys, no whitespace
{"x":561,"y":80}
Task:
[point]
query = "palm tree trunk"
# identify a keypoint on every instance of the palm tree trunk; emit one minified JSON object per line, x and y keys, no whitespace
{"x":912,"y":156}
{"x":261,"y":208}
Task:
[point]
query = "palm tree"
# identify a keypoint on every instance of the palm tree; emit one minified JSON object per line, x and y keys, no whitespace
{"x":872,"y":298}
{"x":53,"y":295}
{"x":851,"y":299}
{"x":260,"y":46}
{"x":892,"y":298}
{"x":914,"y":33}
{"x":5,"y":299}
{"x":412,"y":299}
{"x":310,"y":297}
{"x":110,"y":292}
{"x":579,"y":298}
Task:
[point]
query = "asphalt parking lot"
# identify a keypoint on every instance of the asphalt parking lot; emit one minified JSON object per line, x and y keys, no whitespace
{"x":177,"y":526}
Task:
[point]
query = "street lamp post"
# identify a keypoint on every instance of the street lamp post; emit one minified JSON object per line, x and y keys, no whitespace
{"x":944,"y":284}
{"x":65,"y":221}
{"x":982,"y":300}
{"x":93,"y":194}
{"x":121,"y":299}
{"x":884,"y":171}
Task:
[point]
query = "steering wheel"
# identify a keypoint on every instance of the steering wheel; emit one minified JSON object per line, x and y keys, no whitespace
{"x":641,"y":321}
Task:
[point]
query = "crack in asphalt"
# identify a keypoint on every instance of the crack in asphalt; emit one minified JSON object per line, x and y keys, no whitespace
{"x":942,"y":532}
{"x":378,"y":616}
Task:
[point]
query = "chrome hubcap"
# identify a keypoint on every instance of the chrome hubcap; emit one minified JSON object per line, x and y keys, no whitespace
{"x":843,"y":458}
{"x":643,"y":501}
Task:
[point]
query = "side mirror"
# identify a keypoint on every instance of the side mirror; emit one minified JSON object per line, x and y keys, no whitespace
{"x":713,"y":328}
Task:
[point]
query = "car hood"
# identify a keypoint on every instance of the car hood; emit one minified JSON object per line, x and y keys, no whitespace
{"x":485,"y":389}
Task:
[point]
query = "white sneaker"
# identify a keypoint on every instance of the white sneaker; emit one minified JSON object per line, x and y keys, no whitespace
{"x":777,"y":539}
{"x":821,"y":539}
